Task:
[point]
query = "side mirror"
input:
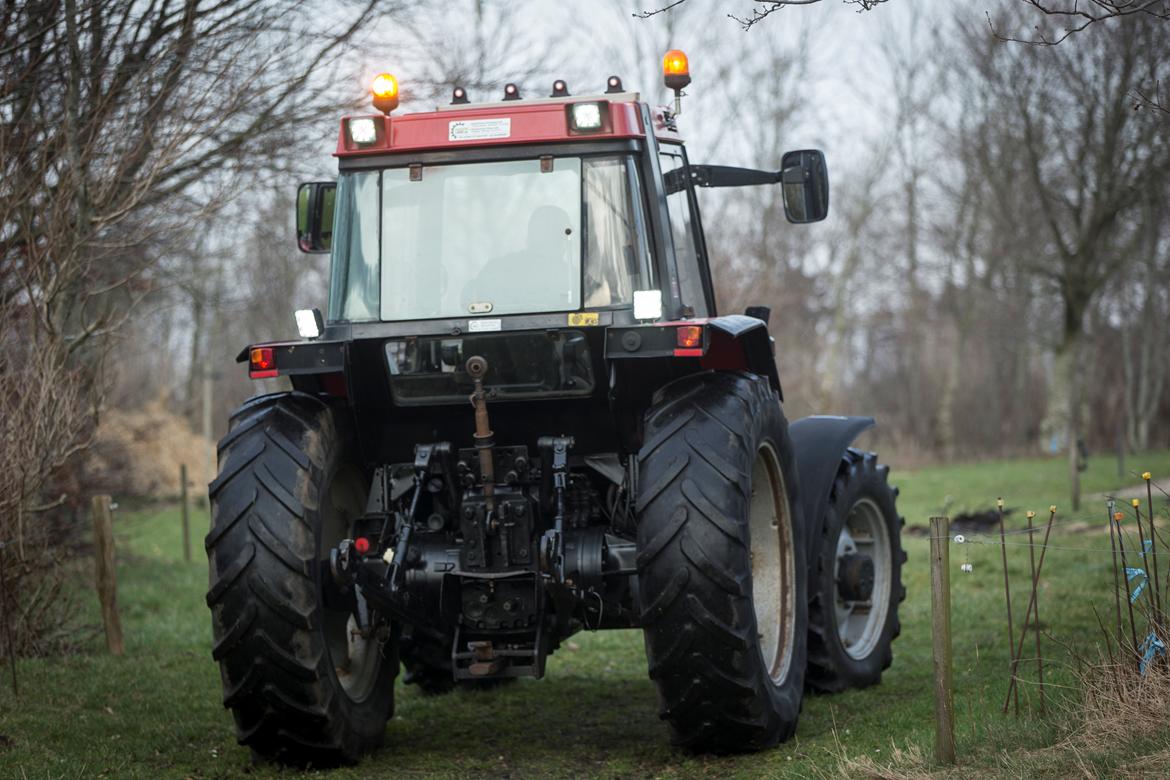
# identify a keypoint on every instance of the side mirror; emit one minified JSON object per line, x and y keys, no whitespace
{"x":805,"y":182}
{"x":315,"y":216}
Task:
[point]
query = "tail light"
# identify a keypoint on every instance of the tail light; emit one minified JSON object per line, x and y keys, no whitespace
{"x":690,"y":336}
{"x":689,"y":341}
{"x":261,"y":363}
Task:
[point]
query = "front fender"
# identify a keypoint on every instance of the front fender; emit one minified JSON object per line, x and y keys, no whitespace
{"x":820,"y":443}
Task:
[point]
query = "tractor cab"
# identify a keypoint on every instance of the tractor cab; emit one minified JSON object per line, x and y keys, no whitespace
{"x":537,"y":219}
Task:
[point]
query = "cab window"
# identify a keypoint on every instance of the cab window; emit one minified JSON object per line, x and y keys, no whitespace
{"x":683,"y":232}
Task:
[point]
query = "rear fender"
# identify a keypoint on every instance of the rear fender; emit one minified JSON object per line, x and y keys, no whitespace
{"x":742,"y":342}
{"x":735,"y":342}
{"x":820,"y":442}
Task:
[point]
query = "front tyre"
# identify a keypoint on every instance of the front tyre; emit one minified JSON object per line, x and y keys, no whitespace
{"x":721,"y":563}
{"x":853,"y":618}
{"x":309,"y":679}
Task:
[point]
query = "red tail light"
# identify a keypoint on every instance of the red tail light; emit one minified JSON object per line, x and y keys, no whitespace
{"x":261,"y":363}
{"x":690,"y":336}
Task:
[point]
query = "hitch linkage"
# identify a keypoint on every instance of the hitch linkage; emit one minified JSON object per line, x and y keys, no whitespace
{"x":554,"y":476}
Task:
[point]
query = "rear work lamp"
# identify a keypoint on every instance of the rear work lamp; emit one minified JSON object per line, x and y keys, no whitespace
{"x":310,"y":323}
{"x":592,"y":117}
{"x":363,"y":130}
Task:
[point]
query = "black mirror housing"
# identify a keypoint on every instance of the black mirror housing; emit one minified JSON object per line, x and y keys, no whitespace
{"x":315,"y":201}
{"x":804,"y":178}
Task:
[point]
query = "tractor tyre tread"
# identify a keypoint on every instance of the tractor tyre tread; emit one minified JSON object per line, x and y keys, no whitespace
{"x":830,"y":668}
{"x":694,"y":567}
{"x":264,"y":591}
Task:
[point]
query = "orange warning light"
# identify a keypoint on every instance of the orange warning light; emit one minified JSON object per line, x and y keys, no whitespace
{"x":676,"y":70}
{"x":385,"y":91}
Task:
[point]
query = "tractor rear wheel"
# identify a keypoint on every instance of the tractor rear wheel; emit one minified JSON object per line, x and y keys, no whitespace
{"x":721,"y":563}
{"x":853,"y":617}
{"x":306,"y":683}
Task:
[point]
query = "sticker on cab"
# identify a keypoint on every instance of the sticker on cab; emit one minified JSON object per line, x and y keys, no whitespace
{"x":581,"y":319}
{"x":483,"y":326}
{"x":479,"y":129}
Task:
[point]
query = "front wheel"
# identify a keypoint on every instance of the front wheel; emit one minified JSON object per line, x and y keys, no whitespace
{"x":853,"y":619}
{"x":721,"y":563}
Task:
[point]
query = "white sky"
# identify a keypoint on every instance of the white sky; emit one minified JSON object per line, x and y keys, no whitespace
{"x":844,"y":98}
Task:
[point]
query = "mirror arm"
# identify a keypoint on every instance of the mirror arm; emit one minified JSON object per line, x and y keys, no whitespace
{"x":727,"y":176}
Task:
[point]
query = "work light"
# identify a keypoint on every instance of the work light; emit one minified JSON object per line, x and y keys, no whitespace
{"x":310,"y":323}
{"x":586,"y":118}
{"x":647,"y":304}
{"x":363,"y":130}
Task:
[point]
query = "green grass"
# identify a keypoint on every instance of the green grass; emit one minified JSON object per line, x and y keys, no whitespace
{"x":1033,"y":483}
{"x":156,"y":711}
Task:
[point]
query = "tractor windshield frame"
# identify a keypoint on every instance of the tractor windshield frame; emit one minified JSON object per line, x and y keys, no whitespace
{"x":645,"y":152}
{"x":612,"y":237}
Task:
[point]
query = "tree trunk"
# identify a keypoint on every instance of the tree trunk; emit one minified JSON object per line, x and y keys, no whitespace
{"x":1069,"y":372}
{"x":946,"y":405}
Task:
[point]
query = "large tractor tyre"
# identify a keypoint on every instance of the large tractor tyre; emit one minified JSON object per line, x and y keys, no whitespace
{"x":305,"y":685}
{"x":853,"y":615}
{"x":721,"y":563}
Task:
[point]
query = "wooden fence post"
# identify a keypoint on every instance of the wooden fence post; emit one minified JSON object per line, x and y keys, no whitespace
{"x":186,"y":518}
{"x":107,"y":586}
{"x":940,"y":593}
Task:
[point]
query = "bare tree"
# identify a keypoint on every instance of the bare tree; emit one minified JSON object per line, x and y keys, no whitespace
{"x":497,"y":46}
{"x":1144,"y":301}
{"x":1074,"y":16}
{"x":122,"y":126}
{"x":1072,"y":142}
{"x":762,"y":9}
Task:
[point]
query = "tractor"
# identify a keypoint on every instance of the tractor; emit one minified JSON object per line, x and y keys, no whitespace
{"x":522,"y":416}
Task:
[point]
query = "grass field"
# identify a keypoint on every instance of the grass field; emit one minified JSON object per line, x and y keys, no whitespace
{"x":156,"y":711}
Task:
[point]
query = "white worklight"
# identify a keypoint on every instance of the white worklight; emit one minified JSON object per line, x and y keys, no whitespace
{"x":647,"y":304}
{"x":362,"y":130}
{"x":309,"y":323}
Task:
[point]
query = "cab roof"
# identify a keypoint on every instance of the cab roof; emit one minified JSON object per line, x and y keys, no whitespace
{"x":508,"y":122}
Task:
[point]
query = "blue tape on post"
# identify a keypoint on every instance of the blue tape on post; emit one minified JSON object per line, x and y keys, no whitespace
{"x":1150,"y":648}
{"x":1131,"y":574}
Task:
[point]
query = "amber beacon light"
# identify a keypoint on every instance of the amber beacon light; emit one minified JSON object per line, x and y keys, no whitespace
{"x":385,"y":91}
{"x":676,"y":71}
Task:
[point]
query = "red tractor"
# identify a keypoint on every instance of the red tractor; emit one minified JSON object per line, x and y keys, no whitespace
{"x":523,"y":416}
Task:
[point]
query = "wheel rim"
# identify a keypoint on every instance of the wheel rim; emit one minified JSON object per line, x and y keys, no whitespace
{"x":356,"y":655}
{"x":773,"y":564}
{"x":860,"y":623}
